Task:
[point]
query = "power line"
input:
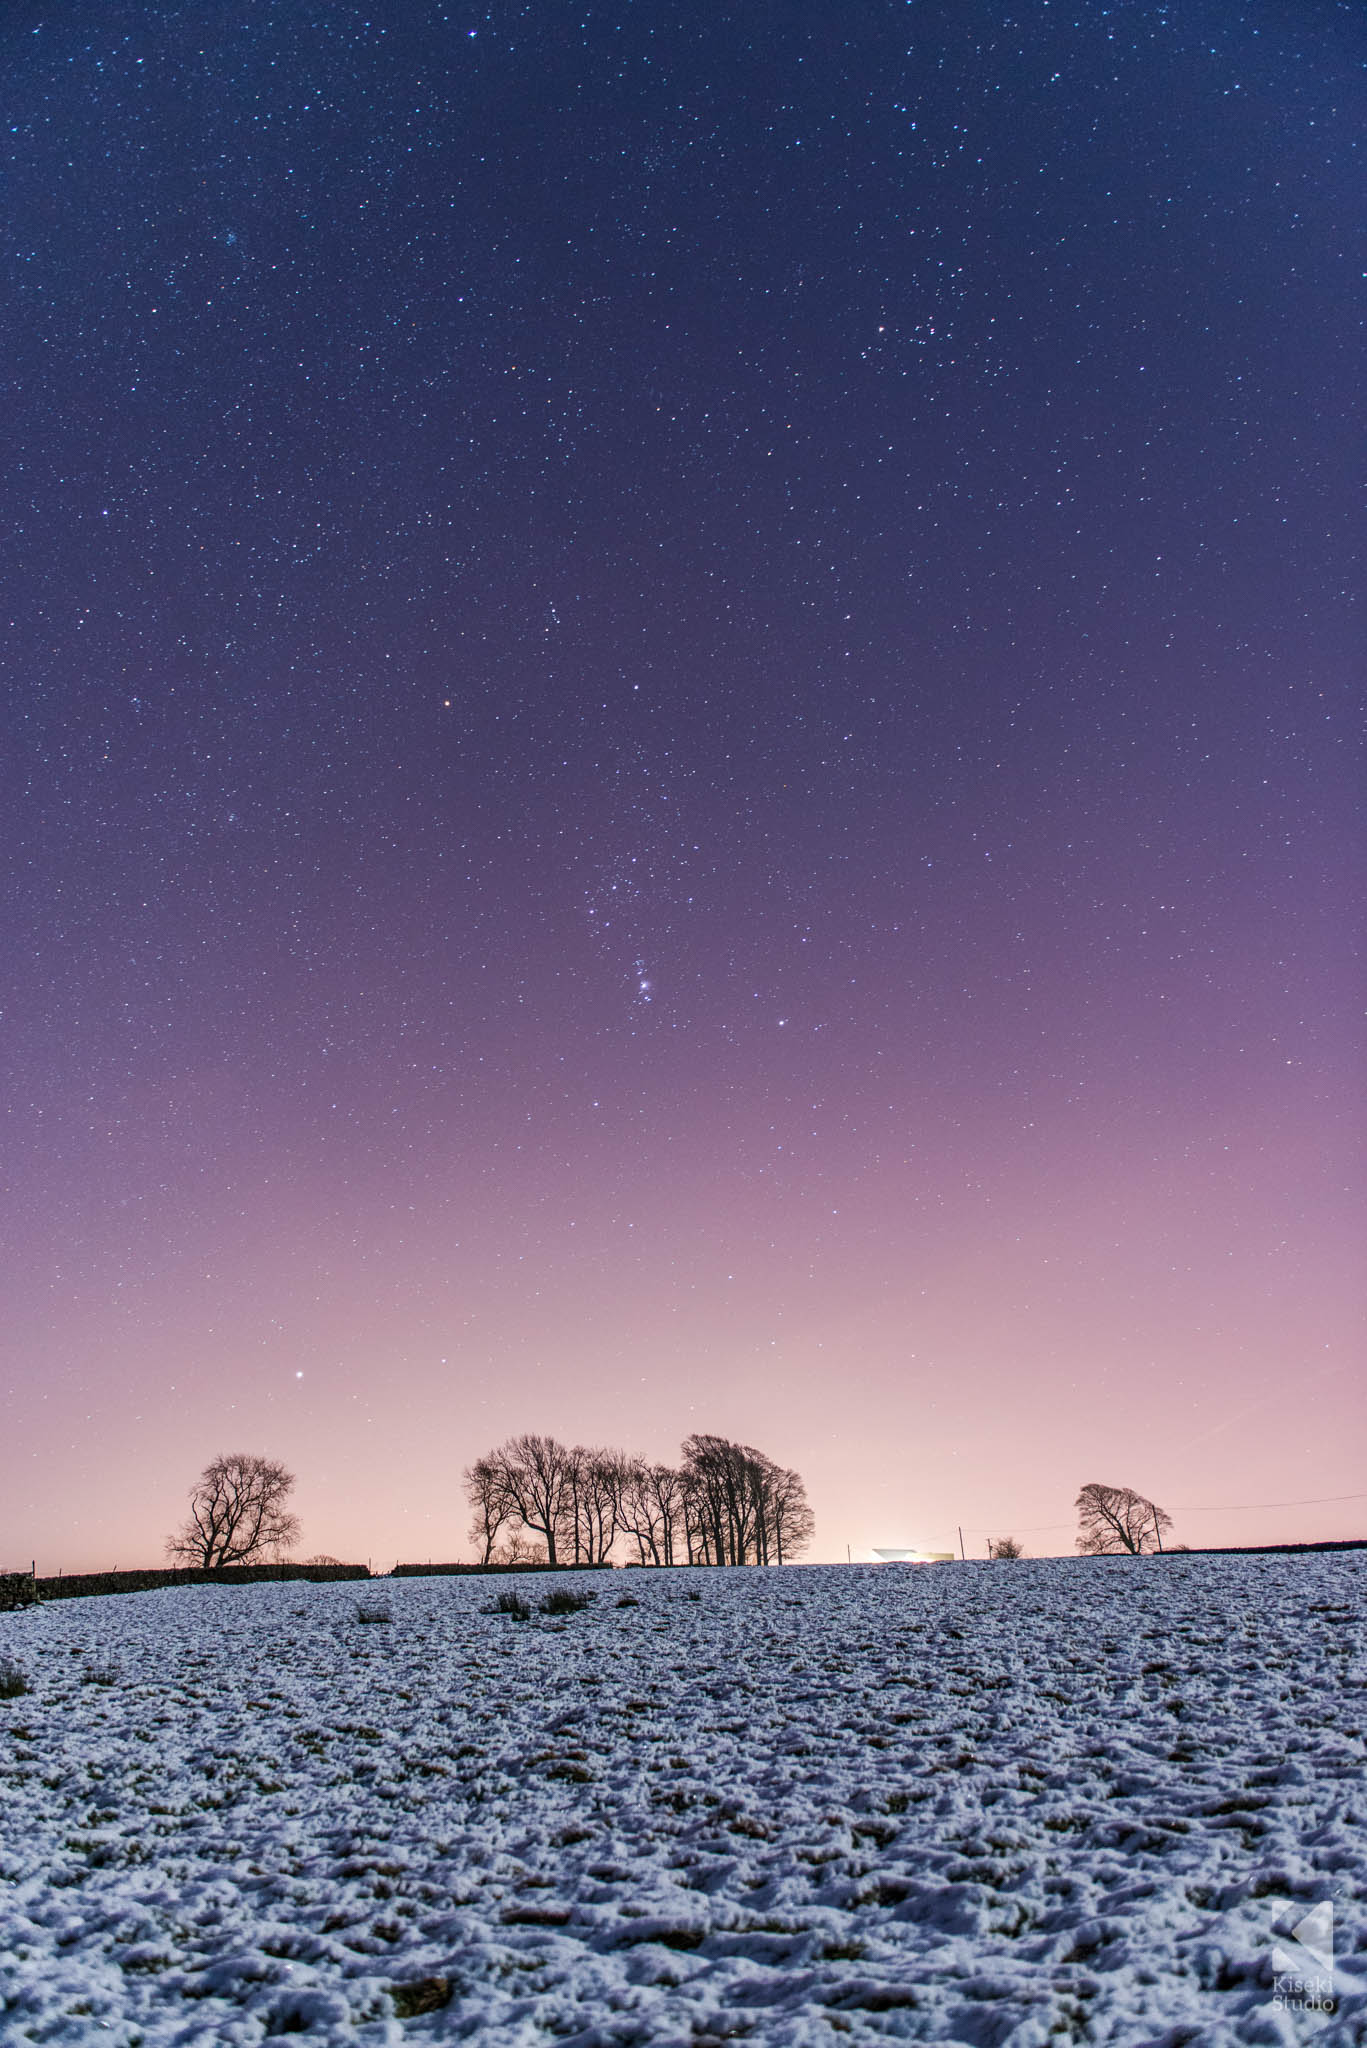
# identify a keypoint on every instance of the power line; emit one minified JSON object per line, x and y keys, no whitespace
{"x":1232,"y":1508}
{"x":1237,"y":1507}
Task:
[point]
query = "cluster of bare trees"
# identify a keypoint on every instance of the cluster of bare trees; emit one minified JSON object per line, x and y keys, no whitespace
{"x":725,"y":1504}
{"x":534,"y":1486}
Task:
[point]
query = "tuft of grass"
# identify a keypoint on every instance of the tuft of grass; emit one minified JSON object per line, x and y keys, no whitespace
{"x":563,"y":1601}
{"x":373,"y":1610}
{"x":512,"y":1604}
{"x":628,"y":1600}
{"x":13,"y":1679}
{"x":102,"y":1671}
{"x":420,"y":1994}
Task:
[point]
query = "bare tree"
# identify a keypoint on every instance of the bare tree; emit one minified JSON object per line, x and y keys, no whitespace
{"x":652,"y":1511}
{"x":537,"y":1475}
{"x":1004,"y":1546}
{"x":487,"y":1493}
{"x":791,"y":1521}
{"x":237,"y":1514}
{"x":713,"y":1479}
{"x":1116,"y":1520}
{"x":594,"y":1484}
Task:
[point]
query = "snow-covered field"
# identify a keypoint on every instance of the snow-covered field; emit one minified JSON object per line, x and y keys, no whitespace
{"x":993,"y":1804}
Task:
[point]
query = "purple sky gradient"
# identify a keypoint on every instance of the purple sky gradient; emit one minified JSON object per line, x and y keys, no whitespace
{"x":680,"y":702}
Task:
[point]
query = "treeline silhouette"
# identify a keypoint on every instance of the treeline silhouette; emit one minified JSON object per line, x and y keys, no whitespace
{"x":726,"y":1503}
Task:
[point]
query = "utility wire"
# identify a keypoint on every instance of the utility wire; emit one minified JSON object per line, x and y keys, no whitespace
{"x":1237,"y":1507}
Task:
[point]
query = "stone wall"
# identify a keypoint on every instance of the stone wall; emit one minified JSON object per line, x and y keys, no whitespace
{"x":83,"y":1585}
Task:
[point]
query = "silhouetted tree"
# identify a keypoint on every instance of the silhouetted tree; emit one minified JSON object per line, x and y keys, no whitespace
{"x":1115,"y":1519}
{"x":791,"y":1521}
{"x":537,"y":1475}
{"x":1005,"y":1546}
{"x":487,"y":1493}
{"x":713,"y":1489}
{"x":652,"y":1511}
{"x":594,"y":1483}
{"x":237,"y":1514}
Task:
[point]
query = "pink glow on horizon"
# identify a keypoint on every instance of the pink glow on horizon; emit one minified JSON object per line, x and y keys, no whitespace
{"x":960,"y":1350}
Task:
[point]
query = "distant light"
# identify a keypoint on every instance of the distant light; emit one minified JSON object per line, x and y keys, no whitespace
{"x":912,"y":1556}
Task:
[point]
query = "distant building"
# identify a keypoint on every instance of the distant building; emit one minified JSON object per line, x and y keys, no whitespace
{"x":914,"y":1556}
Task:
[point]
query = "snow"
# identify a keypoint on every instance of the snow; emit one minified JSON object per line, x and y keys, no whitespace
{"x":1005,"y":1804}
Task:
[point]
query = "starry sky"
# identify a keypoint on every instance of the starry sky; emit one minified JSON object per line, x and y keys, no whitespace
{"x":679,"y":706}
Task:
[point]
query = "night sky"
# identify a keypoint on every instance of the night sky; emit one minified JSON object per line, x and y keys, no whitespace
{"x":679,"y":705}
